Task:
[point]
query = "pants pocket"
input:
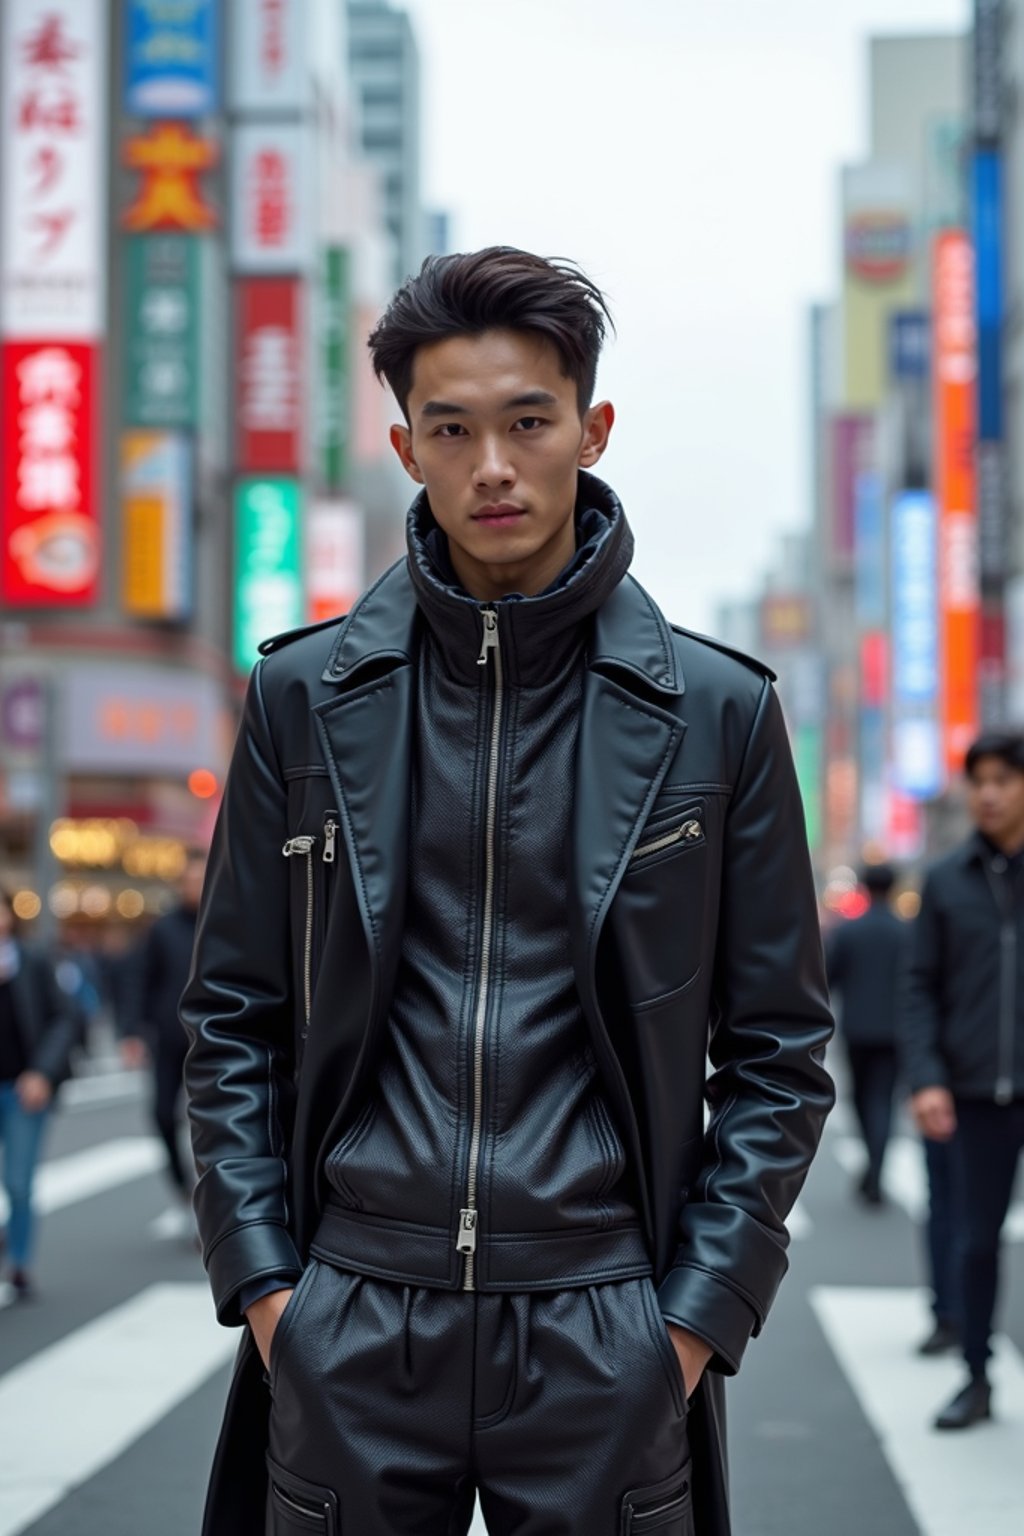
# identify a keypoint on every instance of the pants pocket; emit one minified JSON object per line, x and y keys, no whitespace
{"x":665,"y":1507}
{"x":288,"y":1317}
{"x":663,"y":1343}
{"x":296,"y":1507}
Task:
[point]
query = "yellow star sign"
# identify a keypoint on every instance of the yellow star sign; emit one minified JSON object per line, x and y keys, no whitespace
{"x":170,"y":158}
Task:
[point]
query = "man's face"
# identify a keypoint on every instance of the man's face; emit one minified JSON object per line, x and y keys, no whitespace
{"x":995,"y":798}
{"x":496,"y":437}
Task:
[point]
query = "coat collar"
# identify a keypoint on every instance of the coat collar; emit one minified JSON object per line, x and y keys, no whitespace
{"x":631,"y":636}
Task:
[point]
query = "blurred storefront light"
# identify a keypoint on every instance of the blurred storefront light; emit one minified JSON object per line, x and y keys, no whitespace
{"x":27,"y":905}
{"x":63,"y":899}
{"x":130,"y":904}
{"x":203,"y":783}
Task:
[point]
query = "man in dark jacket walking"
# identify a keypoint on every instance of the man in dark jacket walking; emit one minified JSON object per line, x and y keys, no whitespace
{"x":964,"y":1035}
{"x":502,"y":859}
{"x":864,"y":958}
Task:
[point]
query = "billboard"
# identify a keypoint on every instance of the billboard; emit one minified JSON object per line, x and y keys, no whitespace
{"x":917,"y":764}
{"x":335,"y":559}
{"x":49,"y":492}
{"x":270,"y":333}
{"x":869,"y":550}
{"x":878,"y":275}
{"x":52,"y":160}
{"x":909,"y":344}
{"x":269,"y":70}
{"x":954,"y":428}
{"x":126,"y":718}
{"x":268,"y":565}
{"x":170,"y":158}
{"x":161,"y":338}
{"x":332,"y":404}
{"x":170,"y":58}
{"x":156,"y":512}
{"x":851,"y":449}
{"x":271,"y":216}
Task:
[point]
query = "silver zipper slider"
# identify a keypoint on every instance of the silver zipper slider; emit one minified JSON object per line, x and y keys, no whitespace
{"x":302,"y":844}
{"x":466,"y":1241}
{"x":490,"y":640}
{"x":330,"y":833}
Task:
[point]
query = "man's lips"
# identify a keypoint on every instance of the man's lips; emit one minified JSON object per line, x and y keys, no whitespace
{"x":500,"y":515}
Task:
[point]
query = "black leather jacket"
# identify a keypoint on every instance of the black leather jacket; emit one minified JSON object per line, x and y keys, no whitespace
{"x":962,"y":1024}
{"x":683,"y":947}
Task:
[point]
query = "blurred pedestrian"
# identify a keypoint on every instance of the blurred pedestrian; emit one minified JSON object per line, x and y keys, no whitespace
{"x":152,"y":1028}
{"x":864,"y":957}
{"x":37,"y":1032}
{"x":963,"y":1030}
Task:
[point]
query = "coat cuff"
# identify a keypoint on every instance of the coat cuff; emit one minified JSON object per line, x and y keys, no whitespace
{"x":248,"y":1254}
{"x":711,"y":1308}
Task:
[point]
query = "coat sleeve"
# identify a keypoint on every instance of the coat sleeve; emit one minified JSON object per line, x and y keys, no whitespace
{"x":237,"y":1009}
{"x":51,"y":1053}
{"x":920,"y":1016}
{"x":769,"y":1092}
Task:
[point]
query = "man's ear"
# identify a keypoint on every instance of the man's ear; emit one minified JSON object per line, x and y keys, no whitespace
{"x":597,"y":426}
{"x":401,"y":442}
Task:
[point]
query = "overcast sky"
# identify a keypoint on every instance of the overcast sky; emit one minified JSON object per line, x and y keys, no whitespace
{"x":685,"y":153}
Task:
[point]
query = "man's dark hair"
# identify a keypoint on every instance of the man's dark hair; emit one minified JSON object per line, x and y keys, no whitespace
{"x":1007,"y":746}
{"x":878,"y":879}
{"x":499,"y":288}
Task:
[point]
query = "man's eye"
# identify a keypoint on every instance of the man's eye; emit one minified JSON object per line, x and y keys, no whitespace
{"x":451,"y":429}
{"x":530,"y":423}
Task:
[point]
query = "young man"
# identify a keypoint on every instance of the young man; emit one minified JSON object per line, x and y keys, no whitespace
{"x":964,"y":1036}
{"x":502,"y":857}
{"x":864,"y":960}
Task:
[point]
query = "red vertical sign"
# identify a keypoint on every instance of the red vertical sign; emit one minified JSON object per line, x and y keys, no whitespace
{"x":50,"y":531}
{"x":955,"y":368}
{"x":270,"y":431}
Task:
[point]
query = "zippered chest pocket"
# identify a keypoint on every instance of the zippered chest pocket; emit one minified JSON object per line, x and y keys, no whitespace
{"x":315,"y":856}
{"x":674,"y":830}
{"x":660,"y":911}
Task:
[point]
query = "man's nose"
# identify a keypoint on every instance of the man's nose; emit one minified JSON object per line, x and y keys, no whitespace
{"x":494,"y":467}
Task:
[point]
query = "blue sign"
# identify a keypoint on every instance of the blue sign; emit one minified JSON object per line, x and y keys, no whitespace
{"x":170,"y":58}
{"x":869,"y":550}
{"x":909,"y":344}
{"x":988,"y":219}
{"x":915,"y":645}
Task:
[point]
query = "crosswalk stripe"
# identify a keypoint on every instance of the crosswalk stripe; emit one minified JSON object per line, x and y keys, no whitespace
{"x":71,"y":1409}
{"x":66,"y":1180}
{"x":905,"y":1180}
{"x":953,"y":1482}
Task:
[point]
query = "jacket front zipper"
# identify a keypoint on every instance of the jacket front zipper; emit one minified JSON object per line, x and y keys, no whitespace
{"x":1003,"y":893}
{"x":465,"y":1242}
{"x":303,"y":847}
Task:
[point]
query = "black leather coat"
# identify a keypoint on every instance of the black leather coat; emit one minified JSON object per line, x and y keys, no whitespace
{"x":709,"y":949}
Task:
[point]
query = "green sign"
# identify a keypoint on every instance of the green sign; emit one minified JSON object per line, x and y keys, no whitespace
{"x":268,"y":568}
{"x":161,"y":289}
{"x":807,"y":757}
{"x":334,"y":395}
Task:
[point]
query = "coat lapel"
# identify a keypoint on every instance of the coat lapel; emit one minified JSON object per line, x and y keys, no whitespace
{"x":628,"y":737}
{"x":366,"y":734}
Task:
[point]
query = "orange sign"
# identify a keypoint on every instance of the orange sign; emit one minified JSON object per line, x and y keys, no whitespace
{"x":955,"y":367}
{"x":170,"y":158}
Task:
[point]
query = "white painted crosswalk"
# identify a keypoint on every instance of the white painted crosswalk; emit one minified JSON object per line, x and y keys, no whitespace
{"x":966,"y":1484}
{"x":69,"y":1410}
{"x":65,"y":1180}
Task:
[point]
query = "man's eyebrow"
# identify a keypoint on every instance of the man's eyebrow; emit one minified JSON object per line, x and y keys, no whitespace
{"x":443,"y":408}
{"x":528,"y":397}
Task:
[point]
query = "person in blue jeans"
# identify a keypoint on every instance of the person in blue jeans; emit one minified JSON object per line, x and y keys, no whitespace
{"x":37,"y":1032}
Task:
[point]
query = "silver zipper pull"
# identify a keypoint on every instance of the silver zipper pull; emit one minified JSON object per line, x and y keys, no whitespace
{"x":490,"y":640}
{"x":330,"y":833}
{"x":466,"y":1241}
{"x":302,"y":844}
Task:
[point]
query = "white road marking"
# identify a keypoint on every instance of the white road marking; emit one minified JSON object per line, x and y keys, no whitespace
{"x":798,"y":1223}
{"x":99,"y":1088}
{"x":66,"y":1180}
{"x":953,"y":1482}
{"x":71,"y":1409}
{"x":905,"y":1181}
{"x":173,"y":1225}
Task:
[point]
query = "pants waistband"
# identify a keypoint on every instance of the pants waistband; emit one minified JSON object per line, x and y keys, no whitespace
{"x":505,"y":1261}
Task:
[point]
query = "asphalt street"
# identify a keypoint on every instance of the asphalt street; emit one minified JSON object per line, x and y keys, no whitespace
{"x":112,"y":1380}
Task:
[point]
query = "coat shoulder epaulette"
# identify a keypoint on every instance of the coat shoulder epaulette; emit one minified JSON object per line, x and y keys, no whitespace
{"x":752,"y":662}
{"x":276,"y":642}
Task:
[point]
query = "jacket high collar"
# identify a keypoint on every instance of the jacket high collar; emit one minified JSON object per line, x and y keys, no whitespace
{"x":540,"y":635}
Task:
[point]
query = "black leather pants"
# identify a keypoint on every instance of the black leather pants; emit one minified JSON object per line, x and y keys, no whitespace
{"x":393,"y":1403}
